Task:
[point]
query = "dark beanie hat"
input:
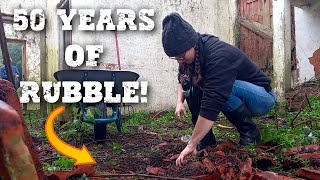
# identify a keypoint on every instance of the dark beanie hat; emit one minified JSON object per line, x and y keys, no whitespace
{"x":178,"y":36}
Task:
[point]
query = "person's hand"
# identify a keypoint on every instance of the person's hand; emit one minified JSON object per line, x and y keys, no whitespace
{"x":180,"y":109}
{"x":188,"y":150}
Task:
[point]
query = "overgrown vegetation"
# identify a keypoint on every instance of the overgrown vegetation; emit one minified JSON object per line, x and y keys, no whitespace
{"x":163,"y":126}
{"x":280,"y":134}
{"x":287,"y":136}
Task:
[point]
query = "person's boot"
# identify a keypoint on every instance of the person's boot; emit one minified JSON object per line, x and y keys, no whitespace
{"x":208,"y":141}
{"x":241,"y":118}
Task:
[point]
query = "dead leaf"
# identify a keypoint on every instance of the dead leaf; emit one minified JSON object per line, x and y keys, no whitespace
{"x":155,"y":170}
{"x":208,"y":164}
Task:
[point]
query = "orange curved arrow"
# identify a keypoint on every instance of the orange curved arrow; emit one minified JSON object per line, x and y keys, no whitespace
{"x":82,"y":156}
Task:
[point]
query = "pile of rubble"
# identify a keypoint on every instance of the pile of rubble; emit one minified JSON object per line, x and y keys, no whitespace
{"x":227,"y":161}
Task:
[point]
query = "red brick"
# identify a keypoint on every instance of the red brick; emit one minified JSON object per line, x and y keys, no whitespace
{"x":303,"y":149}
{"x":315,"y":61}
{"x":305,"y":156}
{"x":219,"y":153}
{"x":268,"y":175}
{"x":308,"y":173}
{"x":246,"y":170}
{"x":227,"y":145}
{"x":208,"y":164}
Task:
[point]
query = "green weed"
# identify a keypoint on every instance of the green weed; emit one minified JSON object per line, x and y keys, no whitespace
{"x":63,"y":163}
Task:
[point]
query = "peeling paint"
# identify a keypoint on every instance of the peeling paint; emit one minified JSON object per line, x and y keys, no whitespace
{"x":307,"y":23}
{"x":315,"y":61}
{"x":142,"y":52}
{"x":109,"y":66}
{"x":32,"y":50}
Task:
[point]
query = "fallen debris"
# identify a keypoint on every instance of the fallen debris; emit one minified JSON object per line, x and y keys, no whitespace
{"x":309,"y":173}
{"x":303,"y":149}
{"x":224,"y":127}
{"x":269,"y":175}
{"x":155,"y":170}
{"x":76,"y":171}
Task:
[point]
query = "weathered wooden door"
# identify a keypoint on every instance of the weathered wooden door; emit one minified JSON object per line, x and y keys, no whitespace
{"x":255,"y":37}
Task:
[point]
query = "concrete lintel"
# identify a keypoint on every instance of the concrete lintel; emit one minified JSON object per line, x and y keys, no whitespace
{"x":304,"y":3}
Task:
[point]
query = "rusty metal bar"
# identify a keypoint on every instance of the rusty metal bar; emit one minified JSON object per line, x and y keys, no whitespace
{"x":12,"y":100}
{"x":5,"y":53}
{"x":16,"y":158}
{"x":292,"y":121}
{"x":308,"y":101}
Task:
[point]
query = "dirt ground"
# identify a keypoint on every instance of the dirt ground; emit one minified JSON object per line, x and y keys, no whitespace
{"x":145,"y":153}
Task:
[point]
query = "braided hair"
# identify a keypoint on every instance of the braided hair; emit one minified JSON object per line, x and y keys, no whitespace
{"x":197,"y":79}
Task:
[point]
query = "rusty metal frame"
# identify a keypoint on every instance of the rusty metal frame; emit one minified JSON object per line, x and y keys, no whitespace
{"x":5,"y":52}
{"x":292,"y":124}
{"x":8,"y":19}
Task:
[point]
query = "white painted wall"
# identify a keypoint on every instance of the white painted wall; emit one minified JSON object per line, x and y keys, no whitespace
{"x":281,"y":47}
{"x":142,"y":52}
{"x":32,"y":39}
{"x":33,"y":49}
{"x":307,"y":23}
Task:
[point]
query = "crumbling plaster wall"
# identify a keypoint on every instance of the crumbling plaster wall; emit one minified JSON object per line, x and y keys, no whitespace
{"x":307,"y":23}
{"x":36,"y":54}
{"x":32,"y":51}
{"x":32,"y":41}
{"x":142,"y":51}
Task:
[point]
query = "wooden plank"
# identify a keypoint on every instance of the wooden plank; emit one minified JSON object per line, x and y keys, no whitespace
{"x":266,"y":13}
{"x":271,"y":13}
{"x":43,"y":72}
{"x":7,"y":18}
{"x":257,"y":28}
{"x":251,"y":1}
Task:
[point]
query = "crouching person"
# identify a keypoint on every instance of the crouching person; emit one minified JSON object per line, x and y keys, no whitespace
{"x":215,"y":77}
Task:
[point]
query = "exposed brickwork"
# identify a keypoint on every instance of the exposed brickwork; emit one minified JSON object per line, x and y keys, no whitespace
{"x":315,"y":61}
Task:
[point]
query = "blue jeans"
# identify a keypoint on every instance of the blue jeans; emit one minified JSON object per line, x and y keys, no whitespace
{"x":256,"y":98}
